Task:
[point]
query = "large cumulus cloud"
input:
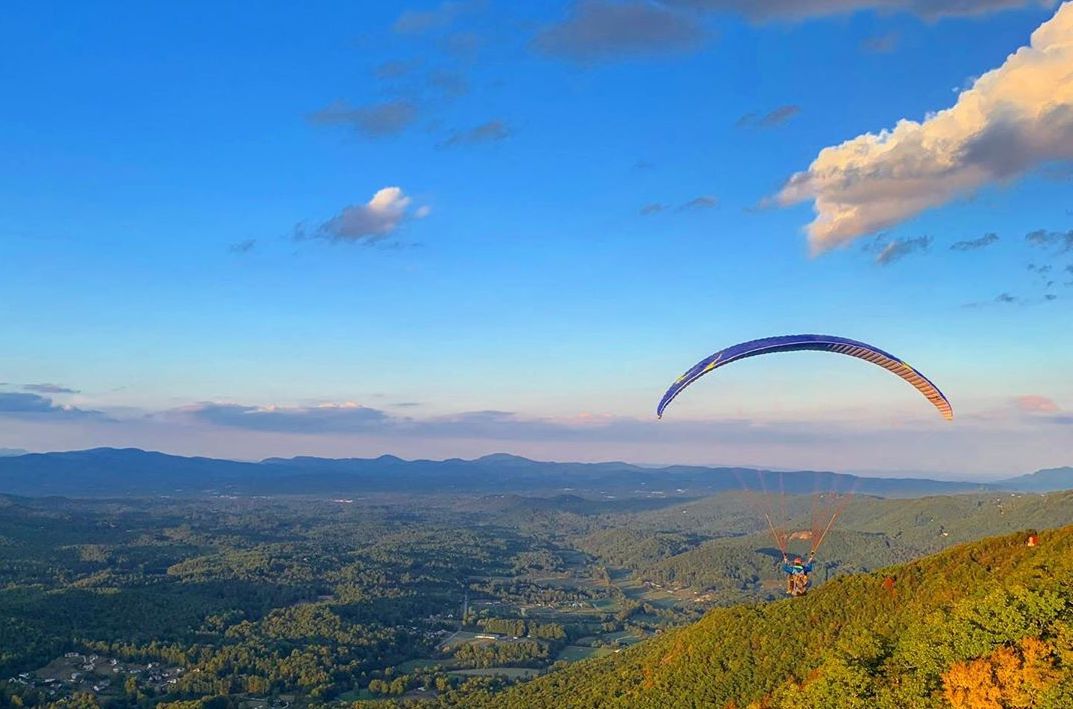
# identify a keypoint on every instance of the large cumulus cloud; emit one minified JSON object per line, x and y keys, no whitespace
{"x":1013,"y":119}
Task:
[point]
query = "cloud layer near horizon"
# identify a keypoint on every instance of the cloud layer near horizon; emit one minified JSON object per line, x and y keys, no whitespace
{"x":358,"y":419}
{"x":1013,"y":119}
{"x":1014,"y":435}
{"x":1024,"y":434}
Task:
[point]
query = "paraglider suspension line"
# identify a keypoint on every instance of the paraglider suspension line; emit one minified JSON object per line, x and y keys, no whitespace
{"x":819,"y":541}
{"x":780,"y":539}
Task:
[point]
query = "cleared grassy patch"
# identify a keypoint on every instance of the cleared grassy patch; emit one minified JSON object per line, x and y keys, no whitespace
{"x":509,"y":672}
{"x":423,"y":663}
{"x":624,"y":637}
{"x":451,"y":642}
{"x":574,"y":653}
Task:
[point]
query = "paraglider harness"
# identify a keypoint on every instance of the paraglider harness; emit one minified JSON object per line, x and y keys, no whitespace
{"x":797,"y":580}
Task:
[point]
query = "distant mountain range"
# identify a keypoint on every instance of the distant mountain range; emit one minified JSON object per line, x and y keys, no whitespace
{"x":106,"y":472}
{"x":1041,"y":481}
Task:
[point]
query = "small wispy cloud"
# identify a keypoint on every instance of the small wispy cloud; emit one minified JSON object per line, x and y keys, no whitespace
{"x":1061,"y":241}
{"x":440,"y":17}
{"x":880,"y":44}
{"x":701,"y":202}
{"x":370,"y":222}
{"x":897,"y":249}
{"x":448,"y":83}
{"x":490,"y":132}
{"x":775,"y":117}
{"x":395,"y":69}
{"x":462,"y":45}
{"x":49,"y":389}
{"x":1036,"y":404}
{"x":374,"y":120}
{"x":601,"y":30}
{"x":975,"y":244}
{"x":242,"y":247}
{"x":1007,"y":299}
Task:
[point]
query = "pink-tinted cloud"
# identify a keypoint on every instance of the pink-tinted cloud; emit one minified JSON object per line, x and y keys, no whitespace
{"x":1036,"y":404}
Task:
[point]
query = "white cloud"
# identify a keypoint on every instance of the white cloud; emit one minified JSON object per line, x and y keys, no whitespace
{"x":1011,"y":120}
{"x":372,"y":221}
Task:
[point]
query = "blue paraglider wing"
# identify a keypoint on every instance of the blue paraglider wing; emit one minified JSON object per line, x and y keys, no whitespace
{"x":819,"y":343}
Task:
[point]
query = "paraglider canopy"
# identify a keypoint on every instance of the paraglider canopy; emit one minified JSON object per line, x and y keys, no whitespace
{"x":819,"y":343}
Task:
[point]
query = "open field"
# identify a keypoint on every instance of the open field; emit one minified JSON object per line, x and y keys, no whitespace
{"x":574,"y":653}
{"x":509,"y":672}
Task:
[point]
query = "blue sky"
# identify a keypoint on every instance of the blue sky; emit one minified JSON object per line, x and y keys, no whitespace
{"x":462,"y":227}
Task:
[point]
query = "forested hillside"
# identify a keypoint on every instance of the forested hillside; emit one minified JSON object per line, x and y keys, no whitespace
{"x":985,"y":624}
